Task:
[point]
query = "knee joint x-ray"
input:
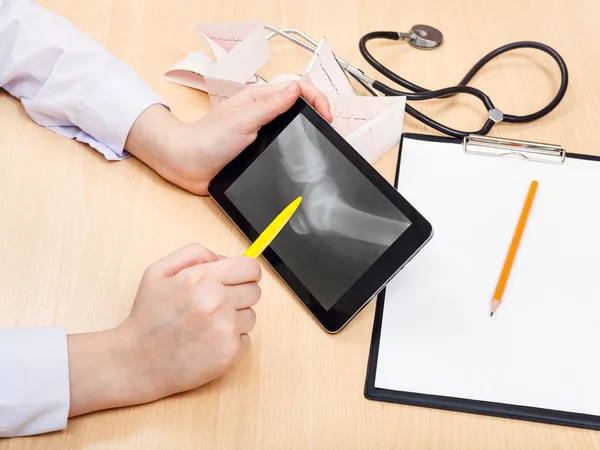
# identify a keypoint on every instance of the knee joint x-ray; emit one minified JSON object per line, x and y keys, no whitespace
{"x":343,"y":224}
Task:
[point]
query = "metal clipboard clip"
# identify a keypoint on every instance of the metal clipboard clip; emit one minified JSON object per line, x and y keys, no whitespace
{"x":532,"y":151}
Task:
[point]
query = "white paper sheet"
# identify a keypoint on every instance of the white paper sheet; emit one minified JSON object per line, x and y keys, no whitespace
{"x":540,"y":348}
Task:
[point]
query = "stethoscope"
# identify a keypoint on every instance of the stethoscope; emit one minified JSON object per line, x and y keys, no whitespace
{"x":425,"y":37}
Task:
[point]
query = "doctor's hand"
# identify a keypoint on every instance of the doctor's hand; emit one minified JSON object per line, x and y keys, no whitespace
{"x":190,"y":155}
{"x":189,"y":325}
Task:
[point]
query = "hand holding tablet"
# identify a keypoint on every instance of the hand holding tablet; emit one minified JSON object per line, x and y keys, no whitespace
{"x":351,"y":233}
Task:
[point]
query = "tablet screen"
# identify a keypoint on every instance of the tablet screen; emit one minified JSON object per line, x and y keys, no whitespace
{"x":344,"y":223}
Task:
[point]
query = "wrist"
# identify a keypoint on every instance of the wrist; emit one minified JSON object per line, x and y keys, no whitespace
{"x":151,"y":138}
{"x":100,"y":372}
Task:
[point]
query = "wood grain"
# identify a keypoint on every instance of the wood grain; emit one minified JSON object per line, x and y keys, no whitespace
{"x":76,"y":232}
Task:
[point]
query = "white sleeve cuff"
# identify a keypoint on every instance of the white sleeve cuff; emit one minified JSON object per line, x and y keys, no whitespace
{"x":34,"y":381}
{"x":110,"y":111}
{"x":73,"y":132}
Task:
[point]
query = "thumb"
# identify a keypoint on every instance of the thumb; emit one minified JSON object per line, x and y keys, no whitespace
{"x":267,"y":108}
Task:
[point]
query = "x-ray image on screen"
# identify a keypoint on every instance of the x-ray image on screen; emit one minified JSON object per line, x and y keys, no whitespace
{"x":343,"y":225}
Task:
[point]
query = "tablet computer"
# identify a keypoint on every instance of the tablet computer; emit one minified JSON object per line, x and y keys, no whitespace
{"x":350,"y":235}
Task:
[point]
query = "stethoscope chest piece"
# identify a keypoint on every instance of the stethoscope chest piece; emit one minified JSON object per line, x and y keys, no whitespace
{"x":423,"y":37}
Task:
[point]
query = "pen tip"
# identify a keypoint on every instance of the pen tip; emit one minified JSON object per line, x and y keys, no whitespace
{"x":491,"y":314}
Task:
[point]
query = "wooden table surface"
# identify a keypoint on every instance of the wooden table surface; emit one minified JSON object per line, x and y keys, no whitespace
{"x":76,"y":231}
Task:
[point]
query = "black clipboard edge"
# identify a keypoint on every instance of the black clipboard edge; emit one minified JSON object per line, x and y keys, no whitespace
{"x":479,"y":407}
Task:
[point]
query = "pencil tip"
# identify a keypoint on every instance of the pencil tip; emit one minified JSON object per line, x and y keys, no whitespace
{"x":495,"y":304}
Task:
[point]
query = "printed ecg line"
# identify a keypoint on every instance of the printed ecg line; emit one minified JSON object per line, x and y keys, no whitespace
{"x":368,"y":138}
{"x":343,"y":114}
{"x":220,"y":98}
{"x":225,"y":39}
{"x":353,"y":116}
{"x":327,"y":74}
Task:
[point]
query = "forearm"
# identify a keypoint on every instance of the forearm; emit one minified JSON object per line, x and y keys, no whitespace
{"x":98,"y":376}
{"x":107,"y":370}
{"x":151,"y":136}
{"x":159,"y":139}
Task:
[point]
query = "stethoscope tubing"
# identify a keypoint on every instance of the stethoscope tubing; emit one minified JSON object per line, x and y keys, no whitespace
{"x":419,"y":93}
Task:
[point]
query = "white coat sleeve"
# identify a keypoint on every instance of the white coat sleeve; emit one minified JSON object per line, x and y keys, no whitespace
{"x":70,"y":84}
{"x":34,"y":381}
{"x":66,"y":81}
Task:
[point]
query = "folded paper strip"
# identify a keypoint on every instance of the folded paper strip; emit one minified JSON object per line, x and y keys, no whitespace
{"x":372,"y":125}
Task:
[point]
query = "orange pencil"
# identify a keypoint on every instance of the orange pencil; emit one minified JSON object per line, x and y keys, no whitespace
{"x":514,"y":246}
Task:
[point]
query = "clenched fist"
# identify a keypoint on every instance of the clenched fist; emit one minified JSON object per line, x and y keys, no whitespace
{"x":189,"y":325}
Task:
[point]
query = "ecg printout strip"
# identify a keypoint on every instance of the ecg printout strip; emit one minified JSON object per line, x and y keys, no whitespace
{"x":372,"y":125}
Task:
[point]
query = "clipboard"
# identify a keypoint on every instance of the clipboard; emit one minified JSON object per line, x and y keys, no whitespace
{"x":438,"y":393}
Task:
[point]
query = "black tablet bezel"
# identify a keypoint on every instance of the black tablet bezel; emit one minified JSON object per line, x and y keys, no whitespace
{"x":384,"y":268}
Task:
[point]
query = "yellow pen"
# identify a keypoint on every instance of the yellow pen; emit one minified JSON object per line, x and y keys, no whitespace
{"x":267,"y":236}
